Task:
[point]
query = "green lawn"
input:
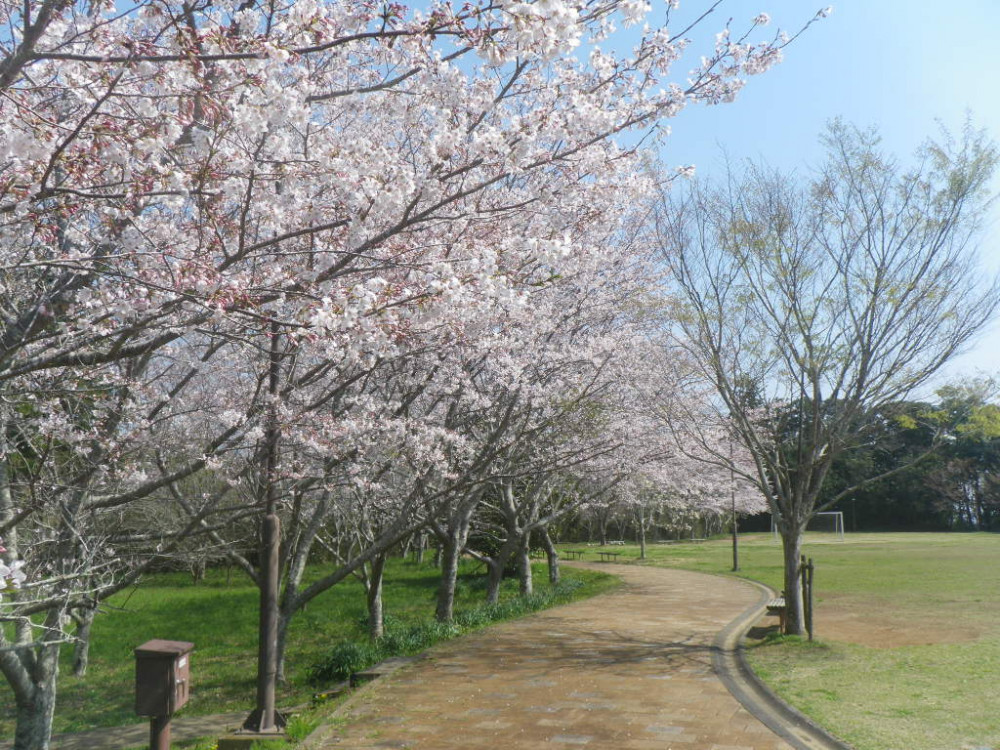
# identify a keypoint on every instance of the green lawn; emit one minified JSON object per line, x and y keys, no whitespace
{"x":220,"y":618}
{"x":908,"y":634}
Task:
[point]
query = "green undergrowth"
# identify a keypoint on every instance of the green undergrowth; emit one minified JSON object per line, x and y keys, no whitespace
{"x":220,"y":614}
{"x":405,"y":639}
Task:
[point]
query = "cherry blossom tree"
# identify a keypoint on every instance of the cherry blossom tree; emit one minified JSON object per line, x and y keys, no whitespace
{"x":181,"y":183}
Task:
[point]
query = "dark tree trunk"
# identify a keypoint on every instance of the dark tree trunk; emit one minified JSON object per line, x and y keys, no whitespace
{"x":495,"y":566}
{"x":791,"y":540}
{"x":642,"y":534}
{"x":552,"y":555}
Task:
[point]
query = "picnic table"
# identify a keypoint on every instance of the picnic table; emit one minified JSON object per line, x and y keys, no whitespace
{"x":573,"y":554}
{"x":607,"y":556}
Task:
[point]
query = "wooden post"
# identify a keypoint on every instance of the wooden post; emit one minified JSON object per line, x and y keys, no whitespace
{"x":159,"y":733}
{"x":806,"y":568}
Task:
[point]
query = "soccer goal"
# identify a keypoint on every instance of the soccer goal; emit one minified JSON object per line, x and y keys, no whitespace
{"x":829,"y":522}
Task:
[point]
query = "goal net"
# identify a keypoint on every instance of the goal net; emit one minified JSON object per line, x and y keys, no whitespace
{"x":829,"y":522}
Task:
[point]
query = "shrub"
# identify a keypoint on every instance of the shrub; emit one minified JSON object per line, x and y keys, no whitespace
{"x":403,"y":639}
{"x":343,"y":659}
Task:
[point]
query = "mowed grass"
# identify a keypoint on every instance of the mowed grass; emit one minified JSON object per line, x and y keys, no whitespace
{"x":907,"y":654}
{"x":220,"y":617}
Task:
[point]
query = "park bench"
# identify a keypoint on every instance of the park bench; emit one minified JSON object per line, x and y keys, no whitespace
{"x":573,"y":554}
{"x":778,"y":607}
{"x":681,"y":541}
{"x":620,"y":542}
{"x":608,"y":556}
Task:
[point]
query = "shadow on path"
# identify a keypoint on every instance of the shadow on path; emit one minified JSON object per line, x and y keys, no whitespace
{"x":632,"y":669}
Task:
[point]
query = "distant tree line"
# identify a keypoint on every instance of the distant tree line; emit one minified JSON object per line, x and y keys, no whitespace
{"x":955,"y":486}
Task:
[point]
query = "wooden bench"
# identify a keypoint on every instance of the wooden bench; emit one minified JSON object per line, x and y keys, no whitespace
{"x":607,"y":556}
{"x":778,"y":607}
{"x":573,"y":554}
{"x":681,"y":541}
{"x":620,"y":542}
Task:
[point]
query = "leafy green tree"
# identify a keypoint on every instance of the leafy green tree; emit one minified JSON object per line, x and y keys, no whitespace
{"x":966,"y":478}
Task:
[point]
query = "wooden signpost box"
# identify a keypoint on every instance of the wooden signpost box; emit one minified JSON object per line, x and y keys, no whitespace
{"x":162,"y":685}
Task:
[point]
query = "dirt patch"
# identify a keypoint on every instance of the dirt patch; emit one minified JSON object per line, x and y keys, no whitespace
{"x":871,"y":624}
{"x":878,"y":630}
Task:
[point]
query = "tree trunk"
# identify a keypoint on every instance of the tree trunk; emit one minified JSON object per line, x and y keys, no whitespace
{"x":281,"y":642}
{"x":451,"y":543}
{"x":450,"y":551}
{"x":791,"y":541}
{"x":421,"y":545}
{"x":198,"y":571}
{"x":494,"y":577}
{"x":524,"y":567}
{"x":642,"y":534}
{"x":84,"y":618}
{"x":552,"y":555}
{"x":495,"y":567}
{"x":36,"y":708}
{"x":376,"y":621}
{"x":34,"y":717}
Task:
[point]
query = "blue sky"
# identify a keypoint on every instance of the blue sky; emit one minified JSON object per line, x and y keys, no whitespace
{"x":900,"y":65}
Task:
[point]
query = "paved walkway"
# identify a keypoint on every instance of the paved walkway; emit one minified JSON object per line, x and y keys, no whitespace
{"x":631,"y":670}
{"x":137,"y":735}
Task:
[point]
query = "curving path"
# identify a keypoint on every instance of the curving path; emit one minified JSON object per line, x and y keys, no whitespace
{"x":630,"y":670}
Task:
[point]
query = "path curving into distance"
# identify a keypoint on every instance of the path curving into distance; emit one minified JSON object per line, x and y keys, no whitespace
{"x":646,"y":667}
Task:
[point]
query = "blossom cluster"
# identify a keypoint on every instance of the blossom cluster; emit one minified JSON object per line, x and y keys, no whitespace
{"x":358,"y":261}
{"x":12,"y":574}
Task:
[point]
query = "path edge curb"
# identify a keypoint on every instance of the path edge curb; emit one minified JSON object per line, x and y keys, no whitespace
{"x":730,"y":664}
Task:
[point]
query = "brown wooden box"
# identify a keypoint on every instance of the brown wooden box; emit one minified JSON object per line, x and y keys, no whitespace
{"x":162,"y":676}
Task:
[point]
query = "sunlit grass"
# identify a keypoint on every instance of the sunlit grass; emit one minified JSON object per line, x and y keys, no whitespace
{"x":946,"y":587}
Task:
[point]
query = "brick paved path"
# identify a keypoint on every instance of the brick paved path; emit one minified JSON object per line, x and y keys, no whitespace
{"x":629,"y":670}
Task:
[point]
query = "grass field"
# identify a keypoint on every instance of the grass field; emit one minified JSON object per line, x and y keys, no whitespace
{"x":220,"y":618}
{"x":907,"y":654}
